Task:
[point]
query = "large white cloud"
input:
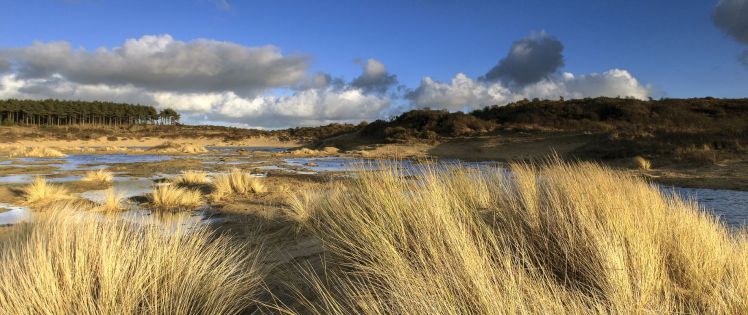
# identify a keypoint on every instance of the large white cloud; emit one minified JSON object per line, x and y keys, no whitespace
{"x":163,"y":63}
{"x":464,"y":93}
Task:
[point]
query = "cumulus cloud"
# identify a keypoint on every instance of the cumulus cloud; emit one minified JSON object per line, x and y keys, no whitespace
{"x":731,"y":16}
{"x":464,"y":93}
{"x":374,"y":78}
{"x":529,"y":60}
{"x":163,"y":63}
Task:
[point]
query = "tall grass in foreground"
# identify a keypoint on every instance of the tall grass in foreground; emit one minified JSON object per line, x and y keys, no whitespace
{"x":67,"y":264}
{"x":170,"y":197}
{"x":236,"y":182}
{"x":100,"y":175}
{"x":41,"y":191}
{"x":555,"y":239}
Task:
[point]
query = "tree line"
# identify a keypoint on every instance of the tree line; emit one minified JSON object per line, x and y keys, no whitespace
{"x":53,"y":112}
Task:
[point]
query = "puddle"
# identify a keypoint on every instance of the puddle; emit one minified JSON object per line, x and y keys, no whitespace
{"x":731,"y":206}
{"x":127,"y":186}
{"x":96,"y":161}
{"x":14,"y":214}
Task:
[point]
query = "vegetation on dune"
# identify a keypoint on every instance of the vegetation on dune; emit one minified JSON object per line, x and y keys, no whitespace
{"x":36,"y":152}
{"x":67,"y":264}
{"x":172,"y":198}
{"x":100,"y":175}
{"x":556,"y":239}
{"x":41,"y":191}
{"x":236,"y":183}
{"x":112,"y":202}
{"x":61,"y":112}
{"x":170,"y":147}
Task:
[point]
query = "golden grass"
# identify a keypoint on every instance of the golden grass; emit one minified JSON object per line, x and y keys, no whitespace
{"x":642,"y":163}
{"x":170,"y":197}
{"x":113,"y":201}
{"x":100,"y":175}
{"x":235,"y":183}
{"x":36,"y":152}
{"x":41,"y":191}
{"x":170,"y":147}
{"x":191,"y":178}
{"x":554,"y":239}
{"x":73,"y":264}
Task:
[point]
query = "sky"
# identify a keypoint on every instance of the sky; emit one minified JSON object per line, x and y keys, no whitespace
{"x":276,"y":64}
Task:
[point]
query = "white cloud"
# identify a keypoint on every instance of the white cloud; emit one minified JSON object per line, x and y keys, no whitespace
{"x":162,"y":63}
{"x":464,"y":93}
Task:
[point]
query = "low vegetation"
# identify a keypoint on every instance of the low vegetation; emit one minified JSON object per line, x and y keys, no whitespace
{"x":36,"y":152}
{"x":112,"y":202}
{"x":99,"y":176}
{"x":172,"y":198}
{"x":41,"y":191}
{"x":170,"y":147}
{"x":236,"y":183}
{"x":642,"y":163}
{"x":191,"y":178}
{"x":555,"y":239}
{"x":67,"y":264}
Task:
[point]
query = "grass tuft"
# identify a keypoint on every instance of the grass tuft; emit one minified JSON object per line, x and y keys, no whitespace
{"x":236,"y":183}
{"x":170,"y":197}
{"x":553,"y":239}
{"x":72,"y":264}
{"x":113,"y":201}
{"x":36,"y":152}
{"x":642,"y":163}
{"x":41,"y":191}
{"x":191,"y":178}
{"x":100,"y":175}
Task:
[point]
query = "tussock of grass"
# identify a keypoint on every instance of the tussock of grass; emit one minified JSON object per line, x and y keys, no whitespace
{"x":235,"y":183}
{"x":170,"y":197}
{"x":556,"y":239}
{"x":36,"y":152}
{"x":191,"y":178}
{"x":170,"y":147}
{"x":100,"y":175}
{"x":41,"y":191}
{"x":313,"y":152}
{"x":642,"y":163}
{"x":113,"y":201}
{"x":66,"y":264}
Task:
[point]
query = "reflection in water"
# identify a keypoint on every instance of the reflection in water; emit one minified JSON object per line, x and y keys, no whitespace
{"x":15,"y":214}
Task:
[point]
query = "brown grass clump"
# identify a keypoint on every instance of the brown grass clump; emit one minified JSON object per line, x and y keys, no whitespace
{"x":100,"y":175}
{"x":191,"y":178}
{"x":68,"y":264}
{"x":553,"y":239}
{"x":113,"y":201}
{"x":642,"y":163}
{"x":234,"y":183}
{"x":41,"y":191}
{"x":36,"y":152}
{"x":170,"y":197}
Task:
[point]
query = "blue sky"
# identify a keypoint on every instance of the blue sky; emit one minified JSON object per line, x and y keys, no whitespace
{"x":671,"y":47}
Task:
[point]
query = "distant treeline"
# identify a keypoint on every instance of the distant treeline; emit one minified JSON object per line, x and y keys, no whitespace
{"x":60,"y":112}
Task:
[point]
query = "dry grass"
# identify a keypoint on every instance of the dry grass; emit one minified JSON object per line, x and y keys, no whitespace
{"x":191,"y":178}
{"x":236,"y":183}
{"x":113,"y":201}
{"x":36,"y":152}
{"x":556,"y":239}
{"x":642,"y":163}
{"x":170,"y":147}
{"x":100,"y":175}
{"x":72,"y":264}
{"x":41,"y":191}
{"x":170,"y":197}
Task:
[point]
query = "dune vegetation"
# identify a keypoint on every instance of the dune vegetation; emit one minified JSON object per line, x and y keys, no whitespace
{"x":170,"y":147}
{"x":553,"y":239}
{"x":36,"y":152}
{"x":113,"y":201}
{"x":236,"y":183}
{"x":172,"y":198}
{"x":66,"y":264}
{"x":41,"y":191}
{"x":191,"y":178}
{"x":100,"y":176}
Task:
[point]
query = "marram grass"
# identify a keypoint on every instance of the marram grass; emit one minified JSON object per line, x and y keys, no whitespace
{"x":100,"y":175}
{"x":173,"y":198}
{"x":554,"y":239}
{"x":41,"y":191}
{"x":72,"y":264}
{"x":236,"y":183}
